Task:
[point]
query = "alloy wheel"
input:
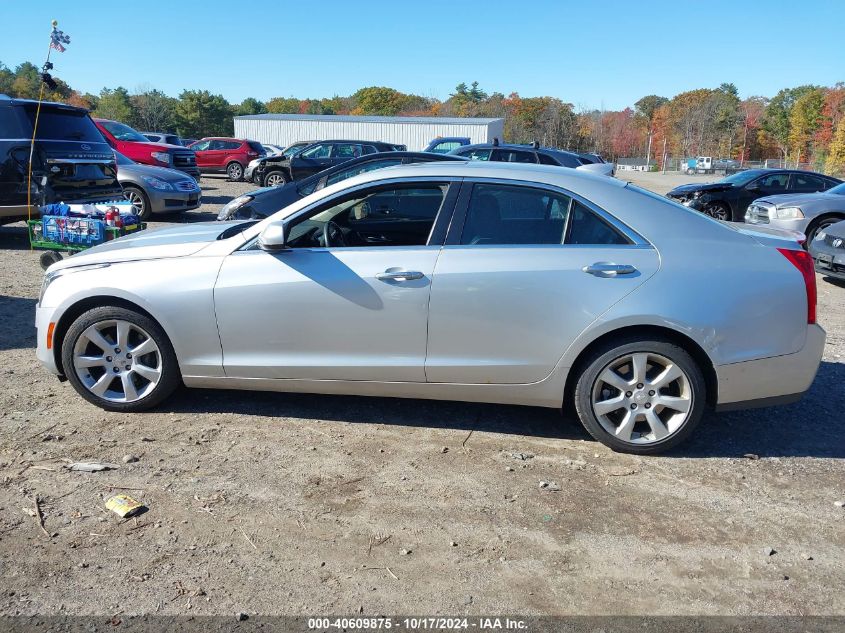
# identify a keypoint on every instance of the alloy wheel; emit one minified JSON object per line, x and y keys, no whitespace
{"x":117,"y":361}
{"x":235,"y":171}
{"x":136,"y":200}
{"x":718,"y":212}
{"x":275,"y":179}
{"x":642,"y":398}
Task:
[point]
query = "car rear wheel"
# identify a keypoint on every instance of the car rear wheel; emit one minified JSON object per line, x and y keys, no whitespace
{"x":119,"y":359}
{"x":275,"y":179}
{"x":640,"y":397}
{"x":139,"y":200}
{"x":235,"y":171}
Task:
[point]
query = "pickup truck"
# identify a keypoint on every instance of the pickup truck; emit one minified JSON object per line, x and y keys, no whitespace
{"x":139,"y":148}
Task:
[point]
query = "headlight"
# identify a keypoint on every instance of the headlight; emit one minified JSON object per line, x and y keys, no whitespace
{"x":162,"y":157}
{"x":231,"y":208}
{"x":820,"y":235}
{"x":51,"y":276}
{"x":789,"y":213}
{"x":157,"y":183}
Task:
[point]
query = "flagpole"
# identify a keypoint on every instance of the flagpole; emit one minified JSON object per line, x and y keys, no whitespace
{"x":35,"y":127}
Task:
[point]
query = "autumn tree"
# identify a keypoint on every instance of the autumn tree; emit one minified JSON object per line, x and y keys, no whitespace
{"x":835,"y":163}
{"x":283,"y":105}
{"x":804,"y":121}
{"x":776,"y":120}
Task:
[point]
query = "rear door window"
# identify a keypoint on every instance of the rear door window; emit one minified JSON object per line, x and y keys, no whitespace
{"x":514,"y":156}
{"x":347,"y":150}
{"x":807,"y":182}
{"x":318,"y":151}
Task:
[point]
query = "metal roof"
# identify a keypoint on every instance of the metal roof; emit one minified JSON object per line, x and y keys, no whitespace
{"x":370,"y":119}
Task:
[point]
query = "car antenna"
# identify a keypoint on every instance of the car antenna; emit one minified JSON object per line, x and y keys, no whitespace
{"x":535,"y":145}
{"x":495,"y":141}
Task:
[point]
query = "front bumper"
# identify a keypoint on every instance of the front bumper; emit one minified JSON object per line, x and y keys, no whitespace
{"x":770,"y":381}
{"x":173,"y":201}
{"x":252,"y":169}
{"x":46,"y":357}
{"x":828,"y":260}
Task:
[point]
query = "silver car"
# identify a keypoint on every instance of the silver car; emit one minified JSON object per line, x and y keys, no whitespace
{"x":808,"y":213}
{"x":156,"y":189}
{"x":828,"y":250}
{"x":504,"y":283}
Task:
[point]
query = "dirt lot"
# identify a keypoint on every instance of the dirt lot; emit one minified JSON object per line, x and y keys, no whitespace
{"x":297,"y":504}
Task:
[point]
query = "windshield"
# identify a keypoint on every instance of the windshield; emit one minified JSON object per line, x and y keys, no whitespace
{"x":741,"y":177}
{"x":64,"y":125}
{"x":123,"y":160}
{"x":123,"y":132}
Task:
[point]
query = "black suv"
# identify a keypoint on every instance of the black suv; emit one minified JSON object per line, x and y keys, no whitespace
{"x":271,"y":171}
{"x":510,"y":153}
{"x":71,"y":160}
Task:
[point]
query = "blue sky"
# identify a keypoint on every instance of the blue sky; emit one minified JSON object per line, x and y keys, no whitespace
{"x":592,"y":53}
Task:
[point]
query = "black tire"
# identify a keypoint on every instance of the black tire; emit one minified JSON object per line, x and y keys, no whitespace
{"x":719,"y":211}
{"x":235,"y":171}
{"x":48,"y":258}
{"x":603,"y":357}
{"x":818,"y":225}
{"x":139,"y":198}
{"x":278,"y":174}
{"x":170,"y":377}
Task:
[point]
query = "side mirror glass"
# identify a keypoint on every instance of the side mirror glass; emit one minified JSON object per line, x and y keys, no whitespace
{"x":273,"y":237}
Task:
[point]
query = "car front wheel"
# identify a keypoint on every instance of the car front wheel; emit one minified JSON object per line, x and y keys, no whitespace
{"x":640,"y":397}
{"x":275,"y":179}
{"x":139,"y":200}
{"x":119,"y":359}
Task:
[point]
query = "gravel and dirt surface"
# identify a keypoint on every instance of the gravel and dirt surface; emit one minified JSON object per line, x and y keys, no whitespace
{"x":298,"y":504}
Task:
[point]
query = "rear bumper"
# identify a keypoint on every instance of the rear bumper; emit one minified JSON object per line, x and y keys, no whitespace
{"x":769,"y":381}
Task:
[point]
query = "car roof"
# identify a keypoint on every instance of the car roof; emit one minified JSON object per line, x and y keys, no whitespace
{"x":44,"y":104}
{"x":530,"y":148}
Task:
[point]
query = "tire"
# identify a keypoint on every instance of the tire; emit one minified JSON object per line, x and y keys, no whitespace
{"x":235,"y":171}
{"x":718,"y":210}
{"x":639,"y":423}
{"x":153,"y":375}
{"x":817,"y":226}
{"x":275,"y":178}
{"x":139,"y":200}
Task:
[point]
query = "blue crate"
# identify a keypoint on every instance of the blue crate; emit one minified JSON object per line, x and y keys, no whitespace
{"x":68,"y":230}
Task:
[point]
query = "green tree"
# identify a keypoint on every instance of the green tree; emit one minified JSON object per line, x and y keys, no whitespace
{"x":776,"y":117}
{"x":283,"y":105}
{"x":200,"y":113}
{"x":27,"y":81}
{"x":379,"y":100}
{"x":251,"y":105}
{"x":153,"y":110}
{"x":7,"y":77}
{"x":115,"y":104}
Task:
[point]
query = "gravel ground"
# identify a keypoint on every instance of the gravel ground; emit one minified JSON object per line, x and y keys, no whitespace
{"x":298,"y":504}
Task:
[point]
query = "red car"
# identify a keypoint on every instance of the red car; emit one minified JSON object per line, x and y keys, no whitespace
{"x":139,"y":148}
{"x":228,"y":156}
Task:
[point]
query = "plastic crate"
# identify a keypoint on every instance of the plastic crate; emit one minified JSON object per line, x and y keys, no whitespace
{"x":72,"y":231}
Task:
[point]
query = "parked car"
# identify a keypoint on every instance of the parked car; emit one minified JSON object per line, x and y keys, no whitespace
{"x":139,"y":148}
{"x":804,"y":212}
{"x":554,"y":286}
{"x":272,"y":150}
{"x":828,"y":250}
{"x":265,"y":202}
{"x":156,"y":189}
{"x":509,"y":153}
{"x":71,"y":161}
{"x":228,"y":156}
{"x":445,"y":144}
{"x":728,"y":199}
{"x":163,"y":137}
{"x":589,"y":158}
{"x":271,"y":171}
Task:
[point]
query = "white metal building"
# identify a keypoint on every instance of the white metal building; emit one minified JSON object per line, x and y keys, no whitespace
{"x":415,"y":132}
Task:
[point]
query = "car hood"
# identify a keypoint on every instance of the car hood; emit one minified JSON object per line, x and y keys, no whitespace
{"x":162,"y":173}
{"x":696,"y":186}
{"x":797,"y":199}
{"x":178,"y":241}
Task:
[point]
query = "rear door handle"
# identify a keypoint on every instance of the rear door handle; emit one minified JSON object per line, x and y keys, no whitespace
{"x":398,"y":274}
{"x":606,"y":269}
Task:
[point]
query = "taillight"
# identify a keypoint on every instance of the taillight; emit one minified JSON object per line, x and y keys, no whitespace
{"x":803,"y":261}
{"x":252,"y":153}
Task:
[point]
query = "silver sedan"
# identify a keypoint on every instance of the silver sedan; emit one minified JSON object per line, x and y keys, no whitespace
{"x":518,"y":284}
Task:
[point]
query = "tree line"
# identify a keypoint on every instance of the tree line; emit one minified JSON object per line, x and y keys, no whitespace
{"x":803,"y":124}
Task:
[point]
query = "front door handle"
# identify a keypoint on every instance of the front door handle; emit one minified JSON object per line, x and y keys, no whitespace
{"x":399,"y":274}
{"x":607,"y":269}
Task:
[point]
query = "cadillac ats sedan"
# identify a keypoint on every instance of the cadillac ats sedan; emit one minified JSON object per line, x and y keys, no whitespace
{"x":519,"y":284}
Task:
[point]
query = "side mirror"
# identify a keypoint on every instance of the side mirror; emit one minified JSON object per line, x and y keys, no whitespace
{"x":273,"y":238}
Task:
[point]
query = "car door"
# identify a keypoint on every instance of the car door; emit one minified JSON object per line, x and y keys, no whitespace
{"x":329,"y":312}
{"x":201,"y":149}
{"x":310,"y":161}
{"x":524,"y":271}
{"x":769,"y":185}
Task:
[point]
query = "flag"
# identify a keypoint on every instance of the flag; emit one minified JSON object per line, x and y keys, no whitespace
{"x":58,"y":39}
